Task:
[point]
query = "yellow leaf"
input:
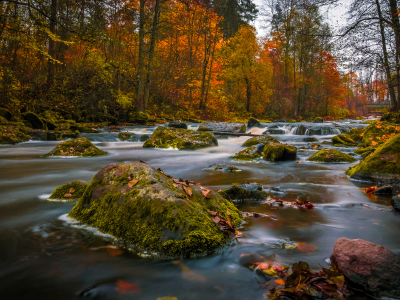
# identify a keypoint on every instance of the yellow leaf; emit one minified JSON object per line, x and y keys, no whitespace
{"x":132,"y":182}
{"x":280,"y":281}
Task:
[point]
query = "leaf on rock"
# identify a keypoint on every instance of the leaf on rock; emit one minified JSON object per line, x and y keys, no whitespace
{"x":132,"y":182}
{"x":67,"y":196}
{"x":188,"y":190}
{"x":71,"y":190}
{"x":370,"y":189}
{"x":206,"y":193}
{"x":216,"y":219}
{"x":263,"y":266}
{"x":280,"y":281}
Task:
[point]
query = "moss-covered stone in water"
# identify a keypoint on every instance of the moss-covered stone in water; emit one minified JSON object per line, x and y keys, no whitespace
{"x":181,"y":139}
{"x":279,"y":152}
{"x":77,"y":147}
{"x":10,"y":134}
{"x":69,"y":192}
{"x":153,"y":215}
{"x":238,"y":193}
{"x":392,"y":117}
{"x":264,"y":139}
{"x":34,"y":120}
{"x":351,"y":138}
{"x":365,"y":149}
{"x":249,"y":153}
{"x":124,"y":136}
{"x":379,"y":132}
{"x":331,"y":156}
{"x":383,"y":166}
{"x":318,"y":120}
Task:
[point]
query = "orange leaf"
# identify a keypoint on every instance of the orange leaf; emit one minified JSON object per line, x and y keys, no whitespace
{"x":280,"y":281}
{"x":132,"y":182}
{"x":67,"y":196}
{"x":188,"y":190}
{"x":206,"y":193}
{"x":263,"y":266}
{"x":124,"y":287}
{"x":71,"y":190}
{"x":307,"y":248}
{"x":114,"y":251}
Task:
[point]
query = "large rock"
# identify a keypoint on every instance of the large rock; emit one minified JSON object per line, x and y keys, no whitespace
{"x":249,"y":153}
{"x":6,"y":114}
{"x":279,"y":152}
{"x":77,"y":147}
{"x":396,"y":203}
{"x":223,"y":127}
{"x":253,"y":123}
{"x":383,"y":166}
{"x":378,"y":133}
{"x":392,"y":117}
{"x":370,"y":266}
{"x":177,"y":124}
{"x":69,"y":192}
{"x":34,"y":120}
{"x":331,"y":156}
{"x":153,"y":214}
{"x":264,"y":139}
{"x":13,"y":134}
{"x":181,"y":139}
{"x":244,"y":192}
{"x":351,"y":138}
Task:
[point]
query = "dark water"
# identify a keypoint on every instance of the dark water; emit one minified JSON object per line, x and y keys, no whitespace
{"x":42,"y":257}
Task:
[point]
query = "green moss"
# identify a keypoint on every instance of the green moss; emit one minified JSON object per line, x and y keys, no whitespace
{"x":351,"y":138}
{"x":331,"y":156}
{"x":379,"y":132}
{"x":238,"y":193}
{"x":279,"y":152}
{"x":13,"y":134}
{"x":392,"y":117}
{"x":77,"y":147}
{"x":138,"y":117}
{"x":153,"y":215}
{"x":75,"y":189}
{"x":181,"y":139}
{"x":369,"y":122}
{"x":249,"y":153}
{"x":365,"y":149}
{"x":125,"y":135}
{"x":259,"y":140}
{"x":34,"y":120}
{"x":382,"y":166}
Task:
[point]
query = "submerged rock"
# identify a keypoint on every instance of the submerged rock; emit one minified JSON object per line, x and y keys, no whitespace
{"x":396,"y":203}
{"x":279,"y":152}
{"x":77,"y":147}
{"x":384,"y":190}
{"x":144,"y":137}
{"x":181,"y":139}
{"x":69,"y":192}
{"x":244,"y":192}
{"x":383,"y":166}
{"x":253,"y":123}
{"x":124,"y":136}
{"x":274,"y":131}
{"x":277,"y":190}
{"x":177,"y":124}
{"x":222,"y":167}
{"x":370,"y":266}
{"x":331,"y":156}
{"x":13,"y":134}
{"x":249,"y":153}
{"x":264,"y":139}
{"x":223,"y":127}
{"x":150,"y":214}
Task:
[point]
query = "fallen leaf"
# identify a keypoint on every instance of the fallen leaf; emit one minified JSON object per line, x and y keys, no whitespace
{"x":206,"y":193}
{"x":263,"y":266}
{"x":175,"y":185}
{"x":124,"y":287}
{"x":188,"y":190}
{"x":132,"y":182}
{"x":71,"y":190}
{"x":114,"y":251}
{"x":370,"y":189}
{"x":306,"y":248}
{"x":216,"y":219}
{"x":228,"y":213}
{"x":67,"y":196}
{"x":280,"y":281}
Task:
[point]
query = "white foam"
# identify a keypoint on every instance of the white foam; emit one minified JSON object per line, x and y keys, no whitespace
{"x":76,"y":224}
{"x":44,"y":196}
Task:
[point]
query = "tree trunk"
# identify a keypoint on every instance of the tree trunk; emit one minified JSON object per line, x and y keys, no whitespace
{"x":248,"y":93}
{"x":210,"y":73}
{"x":151,"y":54}
{"x":140,"y":74}
{"x":385,"y":57}
{"x":396,"y":29}
{"x":52,"y":51}
{"x":203,"y":77}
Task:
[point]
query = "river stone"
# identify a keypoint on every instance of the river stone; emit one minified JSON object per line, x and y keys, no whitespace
{"x":274,"y":131}
{"x":34,"y":120}
{"x":125,"y":136}
{"x":371,"y":266}
{"x":264,"y":139}
{"x":244,"y":192}
{"x":384,"y":190}
{"x":253,"y":123}
{"x":396,"y":203}
{"x":249,"y":153}
{"x":177,"y":124}
{"x":181,"y":139}
{"x":383,"y":166}
{"x":223,"y":127}
{"x":13,"y":134}
{"x":77,"y":147}
{"x":279,"y":152}
{"x":69,"y":192}
{"x":149,"y":213}
{"x":331,"y":156}
{"x":318,"y":120}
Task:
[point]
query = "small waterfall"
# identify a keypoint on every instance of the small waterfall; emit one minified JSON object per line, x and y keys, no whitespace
{"x":307,"y":131}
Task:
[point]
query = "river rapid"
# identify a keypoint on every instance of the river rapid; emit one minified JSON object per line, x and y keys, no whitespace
{"x":43,"y":257}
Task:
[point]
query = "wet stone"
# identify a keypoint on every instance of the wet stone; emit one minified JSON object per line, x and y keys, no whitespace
{"x":396,"y":203}
{"x":177,"y":124}
{"x":384,"y":190}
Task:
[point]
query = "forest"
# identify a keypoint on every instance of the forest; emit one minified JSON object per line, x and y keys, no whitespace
{"x":124,"y":60}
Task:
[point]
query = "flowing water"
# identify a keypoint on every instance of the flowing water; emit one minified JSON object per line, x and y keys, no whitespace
{"x":43,"y":257}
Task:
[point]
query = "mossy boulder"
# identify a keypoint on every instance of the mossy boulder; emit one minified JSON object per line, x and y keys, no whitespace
{"x":244,"y":192}
{"x":351,"y":138}
{"x":150,"y":214}
{"x":264,"y":139}
{"x":279,"y":152}
{"x":249,"y":153}
{"x":392,"y":117}
{"x":223,"y":127}
{"x":331,"y":156}
{"x":379,"y":132}
{"x":138,"y":117}
{"x":49,"y":125}
{"x":69,"y":192}
{"x":318,"y":120}
{"x":124,"y":136}
{"x":77,"y":147}
{"x":368,"y":150}
{"x":253,"y":123}
{"x":382,"y":167}
{"x":10,"y":134}
{"x":6,"y":114}
{"x":182,"y":139}
{"x":34,"y":120}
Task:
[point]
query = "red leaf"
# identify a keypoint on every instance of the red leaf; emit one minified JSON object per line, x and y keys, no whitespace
{"x":114,"y":251}
{"x":124,"y":287}
{"x":216,"y":219}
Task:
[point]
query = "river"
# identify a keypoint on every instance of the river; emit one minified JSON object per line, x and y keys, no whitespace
{"x":42,"y":257}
